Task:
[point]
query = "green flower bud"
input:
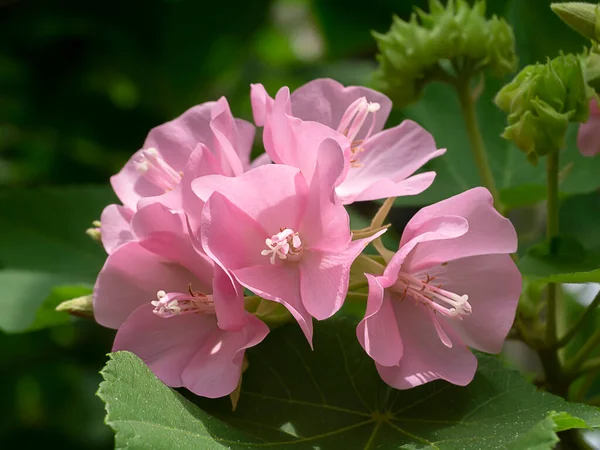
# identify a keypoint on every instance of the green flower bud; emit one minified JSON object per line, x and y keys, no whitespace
{"x":540,"y":103}
{"x":582,"y":17}
{"x":416,"y":52}
{"x":592,"y":68}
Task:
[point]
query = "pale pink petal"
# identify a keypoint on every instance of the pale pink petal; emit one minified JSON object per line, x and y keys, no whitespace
{"x":215,"y":369}
{"x":131,"y":277}
{"x":280,"y":283}
{"x":324,"y":277}
{"x":262,"y":103}
{"x":176,"y":139}
{"x":434,"y":230}
{"x":130,"y":185}
{"x":260,"y":160}
{"x":388,"y":160}
{"x":115,"y":228}
{"x":378,"y":331}
{"x":588,"y":137}
{"x":226,"y":139}
{"x":493,"y":284}
{"x":228,"y":297}
{"x":165,"y":233}
{"x":238,"y":132}
{"x":326,"y":224}
{"x":489,"y":232}
{"x":325,"y":101}
{"x":294,"y":142}
{"x":231,"y":237}
{"x":245,"y":140}
{"x":182,"y":198}
{"x":274,"y":195}
{"x":165,"y":345}
{"x":425,"y":357}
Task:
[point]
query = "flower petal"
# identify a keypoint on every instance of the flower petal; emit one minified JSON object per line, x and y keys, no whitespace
{"x":215,"y":369}
{"x":325,"y":101}
{"x":493,"y":284}
{"x":388,"y":159}
{"x":165,"y":345}
{"x":378,"y":331}
{"x":131,"y":277}
{"x":116,"y":227}
{"x":425,"y":357}
{"x":262,"y":103}
{"x":588,"y":137}
{"x":489,"y":232}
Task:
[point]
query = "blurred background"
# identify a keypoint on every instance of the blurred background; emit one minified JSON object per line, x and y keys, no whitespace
{"x":82,"y":83}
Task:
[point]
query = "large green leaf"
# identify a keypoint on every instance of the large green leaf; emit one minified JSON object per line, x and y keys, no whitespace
{"x":44,"y":245}
{"x":333,"y":398}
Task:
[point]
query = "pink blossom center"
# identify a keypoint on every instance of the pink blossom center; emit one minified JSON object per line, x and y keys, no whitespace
{"x":436,"y":299}
{"x":156,"y":170}
{"x":173,"y":304}
{"x":352,"y":122}
{"x":284,"y":245}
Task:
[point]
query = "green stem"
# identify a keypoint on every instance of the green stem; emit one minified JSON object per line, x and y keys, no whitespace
{"x":467,"y":104}
{"x":573,"y":330}
{"x":549,"y":355}
{"x":572,"y":368}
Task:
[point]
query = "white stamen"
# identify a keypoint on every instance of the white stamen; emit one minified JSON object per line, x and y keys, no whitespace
{"x":156,"y":170}
{"x":352,"y":122}
{"x":283,"y":245}
{"x":176,"y":303}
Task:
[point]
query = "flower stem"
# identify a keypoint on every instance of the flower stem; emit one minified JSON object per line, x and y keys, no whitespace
{"x":572,"y":368}
{"x":573,"y":330}
{"x":549,"y":354}
{"x":467,"y":104}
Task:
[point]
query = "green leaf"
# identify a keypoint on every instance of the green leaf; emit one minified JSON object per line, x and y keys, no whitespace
{"x":44,"y":245}
{"x":331,"y":398}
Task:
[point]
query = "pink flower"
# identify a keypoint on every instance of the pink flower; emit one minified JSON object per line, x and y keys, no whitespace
{"x":451,"y":285}
{"x":380,"y":162}
{"x":173,"y":308}
{"x":207,"y":131}
{"x":283,"y":238}
{"x":588,"y":138}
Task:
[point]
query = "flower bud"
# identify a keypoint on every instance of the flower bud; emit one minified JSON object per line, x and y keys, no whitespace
{"x":413,"y":53}
{"x":540,"y":103}
{"x":582,"y":17}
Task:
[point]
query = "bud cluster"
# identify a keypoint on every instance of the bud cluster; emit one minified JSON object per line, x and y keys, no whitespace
{"x":540,"y":103}
{"x":416,"y":52}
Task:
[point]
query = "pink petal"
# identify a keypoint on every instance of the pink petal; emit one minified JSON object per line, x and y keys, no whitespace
{"x":291,"y":141}
{"x":325,"y":101}
{"x":388,"y":160}
{"x":165,"y":345}
{"x":326,"y":224}
{"x":231,"y":237}
{"x":273,"y":195}
{"x":176,"y":139}
{"x":228,"y":297}
{"x":493,"y":284}
{"x":425,"y":357}
{"x":260,"y":160}
{"x":434,"y":230}
{"x":116,"y":227}
{"x":262,"y":103}
{"x":588,"y":137}
{"x":131,"y":277}
{"x":238,"y":132}
{"x":226,"y":139}
{"x":280,"y":283}
{"x":130,"y":185}
{"x":216,"y":367}
{"x":324,"y":277}
{"x":378,"y":331}
{"x":489,"y":232}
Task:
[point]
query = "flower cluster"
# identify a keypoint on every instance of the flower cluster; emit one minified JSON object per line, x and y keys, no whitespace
{"x":201,"y":224}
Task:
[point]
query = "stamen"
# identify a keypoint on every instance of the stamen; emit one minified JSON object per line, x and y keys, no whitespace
{"x":435,"y":298}
{"x":285,"y":245}
{"x":352,"y":122}
{"x":174,"y":304}
{"x":156,"y":170}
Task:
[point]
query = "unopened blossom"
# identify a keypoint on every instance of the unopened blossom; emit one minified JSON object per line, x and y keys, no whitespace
{"x":173,"y":308}
{"x":381,"y":163}
{"x":588,"y":138}
{"x":281,"y":237}
{"x":451,"y":285}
